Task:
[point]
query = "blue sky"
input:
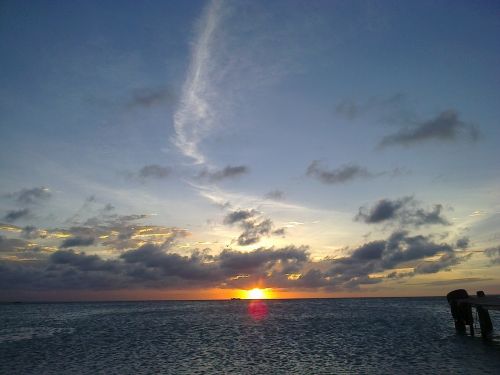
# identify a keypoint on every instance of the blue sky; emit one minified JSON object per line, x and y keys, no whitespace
{"x":283,"y":138}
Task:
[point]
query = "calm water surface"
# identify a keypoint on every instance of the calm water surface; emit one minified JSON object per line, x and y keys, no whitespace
{"x":329,"y":336}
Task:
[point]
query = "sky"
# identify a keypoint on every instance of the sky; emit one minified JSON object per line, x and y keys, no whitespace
{"x":195,"y":150}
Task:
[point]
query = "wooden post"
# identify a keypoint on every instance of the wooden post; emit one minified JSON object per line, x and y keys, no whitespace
{"x":484,"y":318}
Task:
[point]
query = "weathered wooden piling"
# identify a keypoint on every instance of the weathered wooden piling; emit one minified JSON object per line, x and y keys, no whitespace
{"x":461,"y":309}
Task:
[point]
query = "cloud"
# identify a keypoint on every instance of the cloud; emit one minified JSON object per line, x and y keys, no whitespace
{"x":290,"y":259}
{"x":404,"y":211}
{"x":17,"y":214}
{"x":239,"y":215}
{"x":158,"y":266}
{"x":254,"y":230}
{"x":31,"y":196}
{"x":149,"y":266}
{"x":254,"y":226}
{"x":494,"y":254}
{"x":77,"y":241}
{"x":446,"y":126}
{"x":382,"y":255}
{"x":336,"y":176}
{"x":195,"y":115}
{"x":153,"y":171}
{"x":225,"y":173}
{"x":444,"y":262}
{"x":463,"y":243}
{"x":275,"y":195}
{"x":149,"y":97}
{"x":11,"y":244}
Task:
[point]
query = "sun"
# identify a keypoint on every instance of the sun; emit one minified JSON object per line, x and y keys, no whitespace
{"x":256,"y":293}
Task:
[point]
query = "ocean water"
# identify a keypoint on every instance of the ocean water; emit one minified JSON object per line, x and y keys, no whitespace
{"x":316,"y":336}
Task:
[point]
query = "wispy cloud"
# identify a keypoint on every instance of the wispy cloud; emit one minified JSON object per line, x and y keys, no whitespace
{"x":195,"y":115}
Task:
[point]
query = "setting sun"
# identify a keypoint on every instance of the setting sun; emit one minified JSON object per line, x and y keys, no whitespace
{"x":257,"y":293}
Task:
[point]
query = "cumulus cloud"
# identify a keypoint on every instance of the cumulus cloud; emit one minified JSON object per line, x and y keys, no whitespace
{"x":150,"y":266}
{"x":383,"y":255}
{"x":158,"y":266}
{"x":27,"y":197}
{"x":254,"y":226}
{"x":254,"y":230}
{"x":14,"y":215}
{"x":446,"y":126}
{"x":227,"y":172}
{"x":404,"y":211}
{"x":444,"y":262}
{"x":336,"y":176}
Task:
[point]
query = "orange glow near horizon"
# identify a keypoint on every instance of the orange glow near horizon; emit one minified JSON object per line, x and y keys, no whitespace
{"x":257,"y":293}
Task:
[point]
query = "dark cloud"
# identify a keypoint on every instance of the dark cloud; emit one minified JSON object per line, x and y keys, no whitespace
{"x":399,"y":249}
{"x":340,"y":175}
{"x":463,"y":243}
{"x":239,"y":215}
{"x":275,"y":195}
{"x":149,"y":97}
{"x":31,"y":196}
{"x":157,"y":266}
{"x":11,"y":244}
{"x":77,"y":241}
{"x":290,"y":259}
{"x":446,"y":126}
{"x":254,"y":226}
{"x":254,"y":230}
{"x":153,"y":171}
{"x":14,"y":215}
{"x":225,"y":173}
{"x":443,"y":263}
{"x":150,"y":266}
{"x":383,"y":210}
{"x":494,"y":254}
{"x":404,"y":211}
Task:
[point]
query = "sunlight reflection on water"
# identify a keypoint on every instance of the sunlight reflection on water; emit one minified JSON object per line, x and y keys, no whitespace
{"x":257,"y":309}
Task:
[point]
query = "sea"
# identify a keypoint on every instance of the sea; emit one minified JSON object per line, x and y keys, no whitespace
{"x":308,"y":336}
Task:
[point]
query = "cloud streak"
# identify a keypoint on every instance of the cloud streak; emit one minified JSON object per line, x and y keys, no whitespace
{"x":195,"y":115}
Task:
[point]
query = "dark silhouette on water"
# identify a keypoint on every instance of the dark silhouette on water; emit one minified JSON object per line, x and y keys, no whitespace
{"x":461,"y":309}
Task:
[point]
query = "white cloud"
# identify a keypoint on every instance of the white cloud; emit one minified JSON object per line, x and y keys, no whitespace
{"x":195,"y":116}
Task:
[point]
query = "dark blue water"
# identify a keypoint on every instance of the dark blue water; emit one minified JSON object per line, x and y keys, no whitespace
{"x":330,"y":336}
